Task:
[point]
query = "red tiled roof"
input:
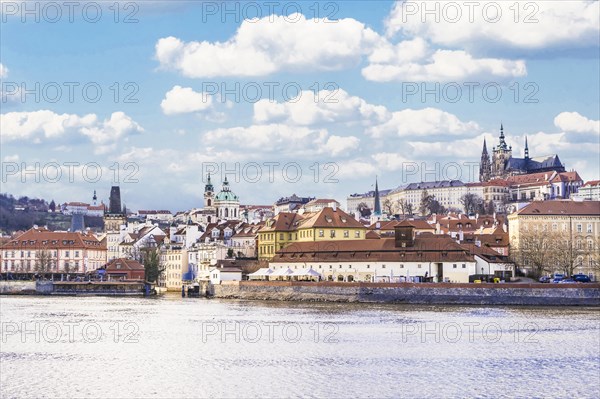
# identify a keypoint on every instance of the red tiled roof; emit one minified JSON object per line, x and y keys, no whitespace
{"x":592,"y":183}
{"x":426,"y":248}
{"x":562,"y":207}
{"x":125,"y":264}
{"x":43,"y":238}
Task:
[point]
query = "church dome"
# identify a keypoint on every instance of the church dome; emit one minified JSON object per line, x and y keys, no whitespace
{"x":226,"y":194}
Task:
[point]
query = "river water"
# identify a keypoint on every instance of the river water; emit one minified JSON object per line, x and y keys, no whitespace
{"x":170,"y":347}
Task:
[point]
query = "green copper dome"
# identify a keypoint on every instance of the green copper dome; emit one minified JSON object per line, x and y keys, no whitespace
{"x":225,"y":194}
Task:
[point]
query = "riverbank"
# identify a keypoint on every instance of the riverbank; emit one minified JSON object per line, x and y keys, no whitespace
{"x":83,"y":288}
{"x":411,"y":293}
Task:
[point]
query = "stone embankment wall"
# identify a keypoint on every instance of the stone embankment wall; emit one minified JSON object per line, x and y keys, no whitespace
{"x":17,"y":287}
{"x":439,"y":293}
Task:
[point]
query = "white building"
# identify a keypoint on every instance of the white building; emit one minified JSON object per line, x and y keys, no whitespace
{"x":225,"y":273}
{"x":590,"y":191}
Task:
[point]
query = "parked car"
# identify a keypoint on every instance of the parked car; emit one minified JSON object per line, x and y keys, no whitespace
{"x":567,"y":281}
{"x":544,"y":279}
{"x":558,"y":277}
{"x":582,"y":278}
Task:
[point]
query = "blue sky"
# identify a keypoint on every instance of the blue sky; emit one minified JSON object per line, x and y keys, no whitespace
{"x":365,"y":62}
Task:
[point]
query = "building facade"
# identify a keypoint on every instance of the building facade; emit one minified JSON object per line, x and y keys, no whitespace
{"x":551,"y":236}
{"x":40,"y":250}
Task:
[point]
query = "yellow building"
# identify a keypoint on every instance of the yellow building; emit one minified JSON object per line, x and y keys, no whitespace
{"x":557,"y":236}
{"x":328,"y":224}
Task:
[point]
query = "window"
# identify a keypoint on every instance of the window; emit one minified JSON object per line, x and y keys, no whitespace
{"x":579,"y":228}
{"x":589,"y":228}
{"x":67,"y":254}
{"x":77,"y":254}
{"x":554,"y":226}
{"x":357,"y":234}
{"x":464,"y":265}
{"x":419,"y":265}
{"x":383,"y":266}
{"x":454,"y":266}
{"x":401,"y":266}
{"x":321,"y":233}
{"x":346,"y":234}
{"x":281,"y":236}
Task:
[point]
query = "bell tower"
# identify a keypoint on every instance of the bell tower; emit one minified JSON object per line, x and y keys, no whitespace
{"x":209,"y":194}
{"x":501,"y":154}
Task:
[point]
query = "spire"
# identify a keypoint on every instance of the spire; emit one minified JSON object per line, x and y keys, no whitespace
{"x":526,"y":149}
{"x":485,"y":166}
{"x":94,"y":198}
{"x":502,"y":145}
{"x":377,"y":205}
{"x":208,"y":187}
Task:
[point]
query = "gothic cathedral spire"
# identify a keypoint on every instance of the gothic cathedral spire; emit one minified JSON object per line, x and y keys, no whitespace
{"x":377,"y":204}
{"x":526,"y":149}
{"x":485,"y":166}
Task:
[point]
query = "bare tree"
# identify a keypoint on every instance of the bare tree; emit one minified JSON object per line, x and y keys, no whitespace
{"x":405,"y":207}
{"x":532,"y":251}
{"x":43,"y":261}
{"x":426,"y":200}
{"x":471,"y":203}
{"x":388,"y":207}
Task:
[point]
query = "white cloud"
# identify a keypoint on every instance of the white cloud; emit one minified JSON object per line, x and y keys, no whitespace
{"x":338,"y":145}
{"x":539,"y":25}
{"x":11,"y":158}
{"x":441,"y":65}
{"x":44,"y":124}
{"x":326,"y":106}
{"x":389,"y":161}
{"x":282,"y":140}
{"x":3,"y":71}
{"x":265,"y":46}
{"x":270,"y":44}
{"x":355,"y":169}
{"x":423,"y":122}
{"x":181,"y":100}
{"x":577,"y":123}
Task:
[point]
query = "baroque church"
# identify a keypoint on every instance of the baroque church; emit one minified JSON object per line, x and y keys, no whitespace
{"x":225,"y":205}
{"x":502,"y":164}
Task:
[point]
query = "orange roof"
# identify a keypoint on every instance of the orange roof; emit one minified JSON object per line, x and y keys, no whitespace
{"x":562,"y":207}
{"x":36,"y":238}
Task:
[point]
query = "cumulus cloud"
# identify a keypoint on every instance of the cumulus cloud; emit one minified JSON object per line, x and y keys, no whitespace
{"x":440,"y":65}
{"x":270,"y":44}
{"x":539,"y":25}
{"x":181,"y":100}
{"x":265,"y":46}
{"x":577,"y":123}
{"x":47,"y":125}
{"x":282,"y":140}
{"x":422,"y":123}
{"x":3,"y":71}
{"x":326,"y":106}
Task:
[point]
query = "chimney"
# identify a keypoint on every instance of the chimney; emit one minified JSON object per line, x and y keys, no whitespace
{"x":461,"y":236}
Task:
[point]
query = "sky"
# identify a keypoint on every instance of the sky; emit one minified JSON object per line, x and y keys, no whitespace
{"x":312,"y":98}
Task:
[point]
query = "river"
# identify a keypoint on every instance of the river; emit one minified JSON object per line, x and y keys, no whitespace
{"x":170,"y":347}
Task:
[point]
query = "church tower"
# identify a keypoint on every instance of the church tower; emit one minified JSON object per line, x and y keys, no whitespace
{"x":501,"y":154}
{"x":209,"y":194}
{"x":485,"y":167}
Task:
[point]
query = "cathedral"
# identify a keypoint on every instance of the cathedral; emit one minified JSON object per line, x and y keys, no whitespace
{"x":502,"y":164}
